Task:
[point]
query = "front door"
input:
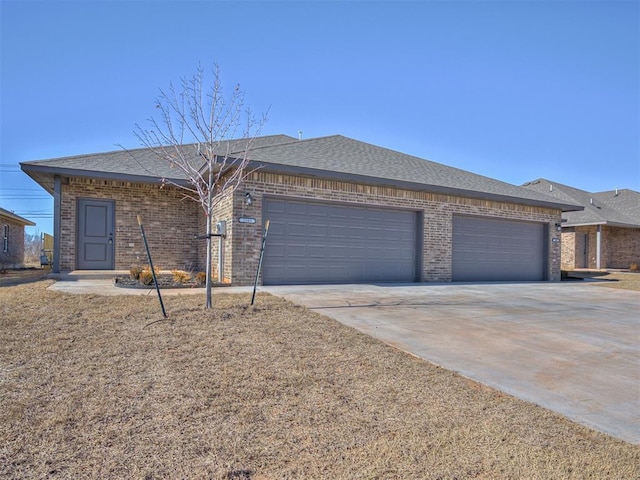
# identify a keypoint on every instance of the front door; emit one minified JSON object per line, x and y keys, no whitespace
{"x":95,"y":234}
{"x":582,"y":250}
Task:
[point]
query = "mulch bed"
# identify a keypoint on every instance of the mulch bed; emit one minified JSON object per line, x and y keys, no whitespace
{"x":164,"y":281}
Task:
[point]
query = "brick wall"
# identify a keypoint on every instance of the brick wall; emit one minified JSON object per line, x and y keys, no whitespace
{"x":224,"y":211}
{"x":170,"y":222}
{"x":243,"y":240}
{"x":568,"y":249}
{"x":622,"y":247}
{"x":14,"y":256}
{"x":619,"y":247}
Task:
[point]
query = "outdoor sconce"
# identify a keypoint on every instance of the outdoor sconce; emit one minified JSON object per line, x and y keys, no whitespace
{"x":558,"y":227}
{"x":248,"y":198}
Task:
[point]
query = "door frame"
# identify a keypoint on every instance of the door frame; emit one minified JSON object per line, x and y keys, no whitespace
{"x":80,"y":205}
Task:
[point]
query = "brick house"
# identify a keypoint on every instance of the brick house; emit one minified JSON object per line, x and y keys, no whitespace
{"x":12,"y":237}
{"x":605,"y":234}
{"x":340,"y":210}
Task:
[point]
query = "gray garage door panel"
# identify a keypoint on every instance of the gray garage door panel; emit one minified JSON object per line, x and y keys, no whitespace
{"x":487,"y":249}
{"x":312,"y":242}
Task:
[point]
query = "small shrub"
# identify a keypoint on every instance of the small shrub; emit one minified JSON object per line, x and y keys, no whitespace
{"x":633,"y":267}
{"x":135,"y":272}
{"x":180,"y":276}
{"x":201,"y":278}
{"x":155,"y":269}
{"x":146,"y":277}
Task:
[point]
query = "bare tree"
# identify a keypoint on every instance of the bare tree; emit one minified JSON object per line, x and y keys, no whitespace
{"x":206,"y":135}
{"x":32,"y":248}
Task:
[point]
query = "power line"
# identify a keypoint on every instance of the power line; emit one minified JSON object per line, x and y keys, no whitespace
{"x":24,"y":197}
{"x":34,"y":214}
{"x":31,"y":212}
{"x":16,"y":195}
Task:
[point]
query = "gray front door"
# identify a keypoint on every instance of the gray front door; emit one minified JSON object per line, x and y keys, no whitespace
{"x":582,"y":247}
{"x":95,"y":235}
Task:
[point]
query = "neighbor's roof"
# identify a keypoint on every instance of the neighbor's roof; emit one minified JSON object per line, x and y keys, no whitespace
{"x":617,"y":208}
{"x":336,"y":157}
{"x":16,"y":218}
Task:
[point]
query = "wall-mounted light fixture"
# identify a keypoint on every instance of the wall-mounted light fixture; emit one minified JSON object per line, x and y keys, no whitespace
{"x":558,"y":227}
{"x":248,"y":198}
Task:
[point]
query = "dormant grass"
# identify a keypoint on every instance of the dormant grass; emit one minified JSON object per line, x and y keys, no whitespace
{"x":103,"y":387}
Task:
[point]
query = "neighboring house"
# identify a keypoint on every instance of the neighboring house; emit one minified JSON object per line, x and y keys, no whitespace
{"x":12,"y":237}
{"x":340,"y":210}
{"x":606,"y":234}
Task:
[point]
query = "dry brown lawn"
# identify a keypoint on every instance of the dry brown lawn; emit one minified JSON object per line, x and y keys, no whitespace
{"x":102,"y":387}
{"x":624,"y":280}
{"x":15,"y":277}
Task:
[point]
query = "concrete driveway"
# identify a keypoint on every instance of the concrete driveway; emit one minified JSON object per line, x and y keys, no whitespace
{"x":571,"y":347}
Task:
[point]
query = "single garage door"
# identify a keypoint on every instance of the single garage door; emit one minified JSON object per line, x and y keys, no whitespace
{"x":313,"y":242}
{"x":488,"y":249}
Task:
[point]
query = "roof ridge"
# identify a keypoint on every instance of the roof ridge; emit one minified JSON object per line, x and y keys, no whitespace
{"x":619,"y":190}
{"x":139,"y":149}
{"x":292,"y":141}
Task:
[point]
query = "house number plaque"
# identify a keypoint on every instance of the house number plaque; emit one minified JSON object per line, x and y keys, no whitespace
{"x":246,"y":220}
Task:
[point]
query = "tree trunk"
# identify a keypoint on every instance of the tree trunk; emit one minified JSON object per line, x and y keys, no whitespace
{"x":209,"y":262}
{"x":209,"y":209}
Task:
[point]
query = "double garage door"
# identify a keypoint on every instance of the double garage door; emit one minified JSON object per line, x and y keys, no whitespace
{"x":489,"y":249}
{"x":315,"y":242}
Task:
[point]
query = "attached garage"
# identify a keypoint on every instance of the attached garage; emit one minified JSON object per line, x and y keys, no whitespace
{"x":490,"y":249}
{"x":340,"y":211}
{"x":316,"y":242}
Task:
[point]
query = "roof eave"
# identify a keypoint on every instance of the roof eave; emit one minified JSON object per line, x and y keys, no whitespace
{"x":295,"y":170}
{"x":604,"y":222}
{"x":16,"y":218}
{"x":44,"y":175}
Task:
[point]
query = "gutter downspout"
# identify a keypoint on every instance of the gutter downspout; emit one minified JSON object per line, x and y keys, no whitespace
{"x":598,"y":246}
{"x":57,"y":197}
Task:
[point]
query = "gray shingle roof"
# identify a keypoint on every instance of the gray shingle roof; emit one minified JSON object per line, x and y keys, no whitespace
{"x":334,"y":156}
{"x":370,"y":163}
{"x":141,"y":163}
{"x":621,"y":208}
{"x":624,"y":201}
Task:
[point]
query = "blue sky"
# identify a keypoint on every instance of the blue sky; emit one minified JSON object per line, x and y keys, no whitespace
{"x":514,"y":90}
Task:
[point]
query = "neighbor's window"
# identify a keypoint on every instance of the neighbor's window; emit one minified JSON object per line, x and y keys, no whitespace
{"x":5,"y":239}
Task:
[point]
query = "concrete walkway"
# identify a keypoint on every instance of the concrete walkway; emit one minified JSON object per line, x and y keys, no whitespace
{"x":571,"y":347}
{"x":101,"y":283}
